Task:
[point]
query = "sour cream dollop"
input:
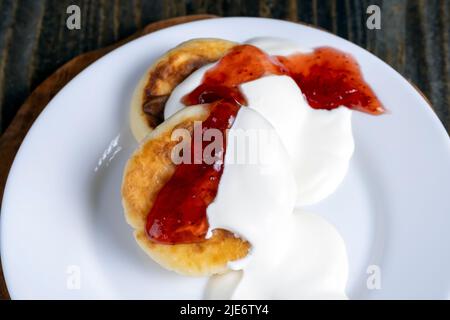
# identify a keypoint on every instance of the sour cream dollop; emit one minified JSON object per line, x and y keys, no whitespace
{"x":295,"y":255}
{"x":319,"y":142}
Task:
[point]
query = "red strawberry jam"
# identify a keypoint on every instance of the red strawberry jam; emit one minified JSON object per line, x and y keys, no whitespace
{"x":179,"y":212}
{"x":327,"y":77}
{"x":330,"y":78}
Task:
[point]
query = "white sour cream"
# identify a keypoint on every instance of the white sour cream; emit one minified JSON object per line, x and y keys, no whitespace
{"x":277,"y":46}
{"x":319,"y":142}
{"x":314,"y":265}
{"x":294,"y":255}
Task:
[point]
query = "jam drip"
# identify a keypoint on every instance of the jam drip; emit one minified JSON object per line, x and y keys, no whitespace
{"x":179,"y":212}
{"x":327,"y":77}
{"x":330,"y":78}
{"x":242,"y":64}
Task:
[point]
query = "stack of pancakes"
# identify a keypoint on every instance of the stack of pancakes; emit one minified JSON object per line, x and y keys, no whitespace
{"x":150,"y":167}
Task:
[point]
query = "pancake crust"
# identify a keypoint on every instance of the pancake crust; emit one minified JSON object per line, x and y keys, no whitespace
{"x":153,"y":90}
{"x":149,"y":168}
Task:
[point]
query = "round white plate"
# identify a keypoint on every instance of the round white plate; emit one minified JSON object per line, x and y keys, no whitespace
{"x":63,"y":233}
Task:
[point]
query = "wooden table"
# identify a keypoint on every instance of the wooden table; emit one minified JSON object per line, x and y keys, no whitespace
{"x":34,"y":39}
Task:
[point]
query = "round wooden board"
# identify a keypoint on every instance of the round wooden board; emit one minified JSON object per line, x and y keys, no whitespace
{"x":12,"y":138}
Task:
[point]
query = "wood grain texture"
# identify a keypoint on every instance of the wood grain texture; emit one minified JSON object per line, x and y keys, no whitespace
{"x":34,"y":42}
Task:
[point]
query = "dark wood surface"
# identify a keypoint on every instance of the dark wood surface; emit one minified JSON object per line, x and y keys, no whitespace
{"x":34,"y":40}
{"x":34,"y":43}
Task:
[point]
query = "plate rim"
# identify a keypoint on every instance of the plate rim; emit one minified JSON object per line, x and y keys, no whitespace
{"x":3,"y":211}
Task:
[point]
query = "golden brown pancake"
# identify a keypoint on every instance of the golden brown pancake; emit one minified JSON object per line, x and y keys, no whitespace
{"x":153,"y":90}
{"x":146,"y":172}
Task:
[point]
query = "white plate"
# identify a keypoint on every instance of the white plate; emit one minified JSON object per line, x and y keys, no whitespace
{"x":62,"y":216}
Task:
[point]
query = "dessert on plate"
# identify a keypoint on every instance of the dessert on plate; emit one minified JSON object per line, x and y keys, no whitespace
{"x":235,"y":139}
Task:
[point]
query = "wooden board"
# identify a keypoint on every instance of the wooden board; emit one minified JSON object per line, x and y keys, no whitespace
{"x":34,"y":40}
{"x":36,"y":102}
